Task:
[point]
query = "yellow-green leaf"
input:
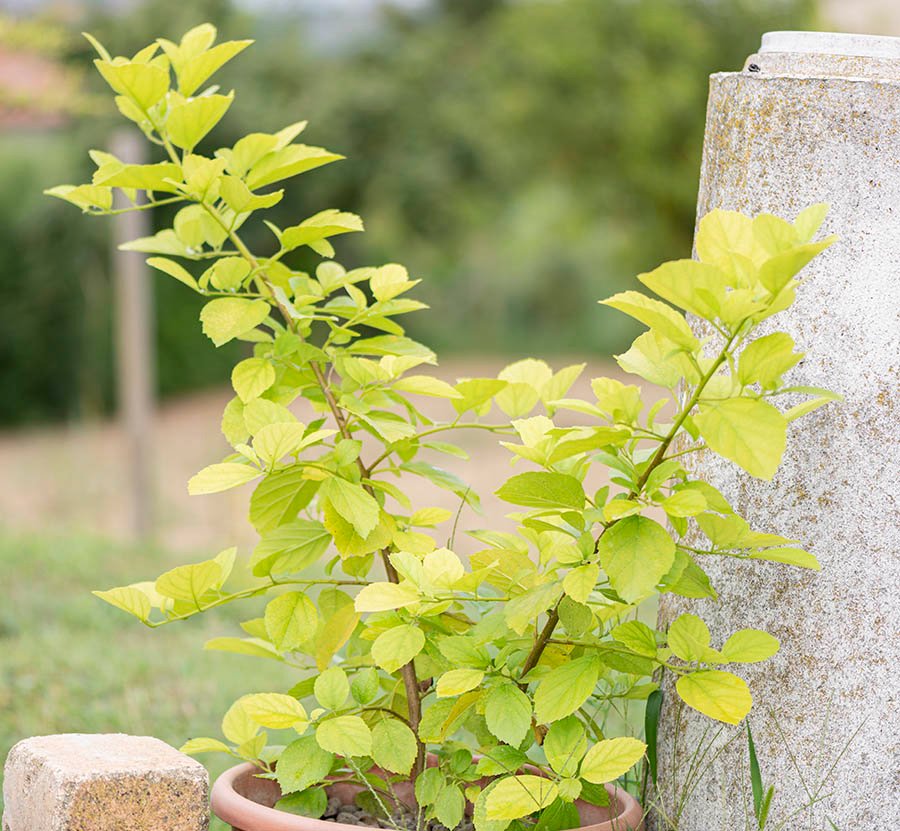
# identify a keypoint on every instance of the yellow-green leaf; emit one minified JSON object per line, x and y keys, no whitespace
{"x":458,"y":681}
{"x":749,"y":646}
{"x":221,"y":477}
{"x":226,"y":318}
{"x":397,"y":646}
{"x":252,"y":377}
{"x":658,"y":316}
{"x":290,"y":619}
{"x":719,"y":695}
{"x":191,"y":120}
{"x":635,"y":553}
{"x":749,"y":432}
{"x":609,"y":759}
{"x":519,"y":796}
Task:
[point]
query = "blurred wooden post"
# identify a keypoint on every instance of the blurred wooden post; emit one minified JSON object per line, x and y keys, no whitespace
{"x":135,"y":370}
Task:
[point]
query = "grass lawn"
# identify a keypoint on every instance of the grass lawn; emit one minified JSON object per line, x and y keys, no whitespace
{"x":70,"y":663}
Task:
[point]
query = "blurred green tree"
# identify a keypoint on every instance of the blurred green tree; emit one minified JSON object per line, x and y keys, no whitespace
{"x":507,"y":152}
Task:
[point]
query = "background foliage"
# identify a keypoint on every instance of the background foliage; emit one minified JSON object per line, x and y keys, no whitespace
{"x":507,"y":152}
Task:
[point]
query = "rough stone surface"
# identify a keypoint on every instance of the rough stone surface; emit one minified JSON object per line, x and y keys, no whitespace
{"x":106,"y":782}
{"x":779,"y":144}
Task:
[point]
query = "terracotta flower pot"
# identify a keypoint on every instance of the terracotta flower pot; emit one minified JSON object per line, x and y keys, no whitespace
{"x":245,"y":801}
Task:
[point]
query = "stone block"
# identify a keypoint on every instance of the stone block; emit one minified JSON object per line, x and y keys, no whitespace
{"x":104,"y":782}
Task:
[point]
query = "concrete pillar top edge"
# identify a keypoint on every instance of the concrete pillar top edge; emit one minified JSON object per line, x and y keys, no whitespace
{"x":826,"y":55}
{"x":831,"y":43}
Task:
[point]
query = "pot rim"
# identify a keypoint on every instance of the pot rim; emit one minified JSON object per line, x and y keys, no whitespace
{"x":236,"y":809}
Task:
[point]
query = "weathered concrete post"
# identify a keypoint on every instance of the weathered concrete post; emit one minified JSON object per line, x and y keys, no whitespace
{"x":815,"y":117}
{"x":78,"y":782}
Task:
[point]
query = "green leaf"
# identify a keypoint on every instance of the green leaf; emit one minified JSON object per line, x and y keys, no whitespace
{"x":397,"y":647}
{"x":279,"y":497}
{"x":221,"y":477}
{"x":194,"y":746}
{"x":226,"y":318}
{"x":128,"y":599}
{"x":637,"y":636}
{"x":394,"y":746}
{"x":776,"y":272}
{"x":749,"y":432}
{"x":766,"y":359}
{"x":564,"y":689}
{"x":382,"y":597}
{"x":345,"y":735}
{"x":389,"y":281}
{"x":723,"y":234}
{"x":656,"y":359}
{"x":806,"y":407}
{"x":227,"y":273}
{"x":507,"y":711}
{"x":449,"y":806}
{"x":458,"y":681}
{"x":189,"y":121}
{"x":688,"y":638}
{"x":565,"y":745}
{"x":684,"y":503}
{"x":521,"y":611}
{"x":143,"y":83}
{"x":252,"y":377}
{"x":790,"y":556}
{"x":444,"y":479}
{"x":519,"y":796}
{"x":476,"y":393}
{"x":693,"y":286}
{"x":310,"y":803}
{"x":237,"y":726}
{"x":190,"y":582}
{"x":651,"y":730}
{"x":286,"y":162}
{"x":173,"y":269}
{"x":291,"y":619}
{"x":254,"y":647}
{"x":163,"y":242}
{"x":324,"y":224}
{"x":275,"y":441}
{"x":809,"y":220}
{"x":609,"y":759}
{"x":719,"y":695}
{"x":658,"y":316}
{"x":635,"y":553}
{"x":337,"y":620}
{"x":426,"y":385}
{"x":749,"y":646}
{"x":580,"y":582}
{"x":86,"y":197}
{"x":194,"y":71}
{"x":275,"y":710}
{"x":364,"y":686}
{"x":290,"y":547}
{"x":332,"y":688}
{"x":501,"y":759}
{"x":537,"y":489}
{"x":301,"y":764}
{"x":353,"y":503}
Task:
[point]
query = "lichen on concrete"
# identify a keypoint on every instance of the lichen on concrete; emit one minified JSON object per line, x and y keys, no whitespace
{"x":777,"y":142}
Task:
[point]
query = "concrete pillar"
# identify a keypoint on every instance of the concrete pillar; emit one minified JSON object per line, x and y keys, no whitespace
{"x":814,"y":118}
{"x":113,"y":782}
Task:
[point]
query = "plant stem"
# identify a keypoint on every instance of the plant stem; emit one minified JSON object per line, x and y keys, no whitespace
{"x":540,"y":643}
{"x":408,"y":671}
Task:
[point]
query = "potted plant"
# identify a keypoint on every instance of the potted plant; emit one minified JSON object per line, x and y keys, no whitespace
{"x":434,"y":688}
